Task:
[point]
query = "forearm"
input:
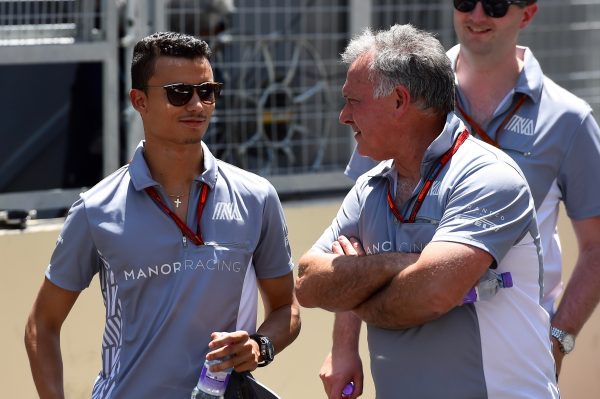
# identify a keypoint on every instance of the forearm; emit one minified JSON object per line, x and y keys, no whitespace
{"x":42,"y":338}
{"x":45,"y":361}
{"x":343,"y":364}
{"x":582,"y":293}
{"x":427,"y":289}
{"x":340,"y":283}
{"x":346,"y":332}
{"x":398,"y":306}
{"x":282,"y":325}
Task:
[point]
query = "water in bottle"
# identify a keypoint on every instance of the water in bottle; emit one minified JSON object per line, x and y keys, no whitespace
{"x":488,"y":286}
{"x":211,"y":385}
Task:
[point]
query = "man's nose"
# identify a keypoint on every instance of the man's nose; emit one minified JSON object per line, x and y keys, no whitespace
{"x":478,"y":12}
{"x":345,"y":117}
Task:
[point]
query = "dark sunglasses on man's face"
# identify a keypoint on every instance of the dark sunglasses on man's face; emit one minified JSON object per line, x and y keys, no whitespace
{"x":179,"y":94}
{"x":492,"y":8}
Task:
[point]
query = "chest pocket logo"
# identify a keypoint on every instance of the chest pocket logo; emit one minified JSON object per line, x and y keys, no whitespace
{"x":226,"y":211}
{"x":521,"y":125}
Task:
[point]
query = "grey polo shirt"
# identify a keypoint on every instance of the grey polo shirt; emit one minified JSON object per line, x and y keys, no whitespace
{"x":555,"y":140}
{"x":481,"y":199}
{"x":164,"y":296}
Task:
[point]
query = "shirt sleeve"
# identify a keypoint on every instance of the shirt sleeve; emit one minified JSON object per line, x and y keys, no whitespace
{"x":345,"y":223}
{"x":75,"y":259}
{"x":491,"y":208}
{"x":579,"y":174}
{"x":272,"y":256}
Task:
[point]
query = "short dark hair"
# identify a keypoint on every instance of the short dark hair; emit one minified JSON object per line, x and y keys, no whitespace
{"x":171,"y":44}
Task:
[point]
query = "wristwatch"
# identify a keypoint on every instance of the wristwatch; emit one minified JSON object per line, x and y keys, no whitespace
{"x":566,"y":341}
{"x":267,"y":351}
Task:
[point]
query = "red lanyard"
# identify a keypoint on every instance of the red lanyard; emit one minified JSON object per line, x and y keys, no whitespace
{"x":428,"y":183}
{"x":479,"y":130}
{"x":195,"y":237}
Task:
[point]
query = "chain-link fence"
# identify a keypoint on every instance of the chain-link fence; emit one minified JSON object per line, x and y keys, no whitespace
{"x":279,"y":60}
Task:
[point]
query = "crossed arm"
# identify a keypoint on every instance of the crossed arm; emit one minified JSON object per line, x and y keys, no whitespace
{"x":390,"y":290}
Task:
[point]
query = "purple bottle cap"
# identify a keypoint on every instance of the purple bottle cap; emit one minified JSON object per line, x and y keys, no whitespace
{"x":506,"y":280}
{"x":348,"y":389}
{"x":470,"y":296}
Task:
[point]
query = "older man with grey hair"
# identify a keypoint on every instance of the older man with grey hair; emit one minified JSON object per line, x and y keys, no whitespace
{"x":444,"y":214}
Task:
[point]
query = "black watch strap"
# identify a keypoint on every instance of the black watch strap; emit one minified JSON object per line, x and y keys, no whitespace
{"x":267,"y":351}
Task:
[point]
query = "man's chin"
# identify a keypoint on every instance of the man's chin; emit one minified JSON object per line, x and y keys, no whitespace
{"x":363,"y":151}
{"x":194,"y":140}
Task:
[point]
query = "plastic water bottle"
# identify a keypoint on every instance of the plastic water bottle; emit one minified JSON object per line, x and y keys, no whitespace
{"x":488,"y":286}
{"x":211,"y":385}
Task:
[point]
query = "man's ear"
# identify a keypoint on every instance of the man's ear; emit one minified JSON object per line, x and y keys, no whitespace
{"x":138,"y":100}
{"x":402,"y":98}
{"x":528,"y":14}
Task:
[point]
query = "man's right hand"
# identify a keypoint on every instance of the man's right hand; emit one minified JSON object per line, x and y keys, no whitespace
{"x":340,"y":369}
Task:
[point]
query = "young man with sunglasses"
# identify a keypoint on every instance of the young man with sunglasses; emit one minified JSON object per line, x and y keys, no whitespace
{"x":181,"y":242}
{"x":417,"y":232}
{"x":503,"y":95}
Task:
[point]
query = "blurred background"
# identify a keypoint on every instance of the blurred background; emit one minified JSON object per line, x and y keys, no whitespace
{"x":67,"y":122}
{"x":64,"y":74}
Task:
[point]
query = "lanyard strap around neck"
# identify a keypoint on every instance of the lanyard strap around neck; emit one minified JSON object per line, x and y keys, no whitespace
{"x":479,"y":130}
{"x":196,"y":238}
{"x":428,"y":183}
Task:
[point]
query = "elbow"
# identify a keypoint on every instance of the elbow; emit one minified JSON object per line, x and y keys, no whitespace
{"x":303,"y":294}
{"x":296,"y":323}
{"x":316,"y":286}
{"x":438,"y":305}
{"x":30,"y":336}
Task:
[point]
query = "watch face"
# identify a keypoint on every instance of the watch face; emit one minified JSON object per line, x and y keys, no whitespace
{"x":568,"y":342}
{"x":267,"y":349}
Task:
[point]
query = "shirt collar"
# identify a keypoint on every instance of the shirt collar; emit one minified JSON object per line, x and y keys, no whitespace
{"x":531,"y":78}
{"x":141,"y":177}
{"x":442,"y":143}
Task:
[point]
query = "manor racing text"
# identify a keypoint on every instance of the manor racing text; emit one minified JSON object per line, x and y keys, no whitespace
{"x":188,"y":264}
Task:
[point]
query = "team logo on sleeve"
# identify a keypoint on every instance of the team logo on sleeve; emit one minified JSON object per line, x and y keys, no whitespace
{"x":483,"y":218}
{"x":481,"y":222}
{"x":226,"y":211}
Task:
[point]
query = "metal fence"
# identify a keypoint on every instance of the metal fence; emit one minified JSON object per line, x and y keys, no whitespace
{"x":27,"y":22}
{"x":279,"y":60}
{"x":565,"y":39}
{"x":43,"y":46}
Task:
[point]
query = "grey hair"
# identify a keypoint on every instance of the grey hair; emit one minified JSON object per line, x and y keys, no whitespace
{"x":404,"y":55}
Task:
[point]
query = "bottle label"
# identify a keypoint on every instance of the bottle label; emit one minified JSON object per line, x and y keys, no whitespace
{"x":488,"y":286}
{"x":213,"y":383}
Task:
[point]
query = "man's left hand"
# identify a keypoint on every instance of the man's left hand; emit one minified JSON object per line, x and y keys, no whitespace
{"x":241,"y":352}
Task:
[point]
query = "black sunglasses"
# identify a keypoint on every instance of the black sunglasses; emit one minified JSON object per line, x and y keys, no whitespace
{"x":179,"y":94}
{"x":492,"y":8}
